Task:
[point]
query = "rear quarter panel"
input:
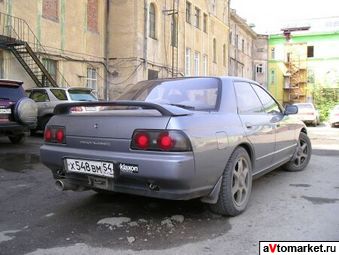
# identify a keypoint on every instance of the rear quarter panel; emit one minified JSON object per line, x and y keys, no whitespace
{"x":214,"y":136}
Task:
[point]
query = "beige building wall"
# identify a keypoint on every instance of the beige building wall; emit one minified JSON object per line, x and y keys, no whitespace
{"x":260,"y":54}
{"x":128,"y":54}
{"x":242,"y":39}
{"x":65,"y":39}
{"x":133,"y":54}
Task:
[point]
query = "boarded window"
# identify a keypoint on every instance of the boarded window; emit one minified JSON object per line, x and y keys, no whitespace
{"x":92,"y":15}
{"x":50,"y":9}
{"x":152,"y":74}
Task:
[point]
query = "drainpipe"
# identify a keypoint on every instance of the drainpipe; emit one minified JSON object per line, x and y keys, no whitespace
{"x":145,"y":53}
{"x":106,"y":75}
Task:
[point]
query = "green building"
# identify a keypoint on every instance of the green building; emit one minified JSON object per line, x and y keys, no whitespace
{"x":305,"y":68}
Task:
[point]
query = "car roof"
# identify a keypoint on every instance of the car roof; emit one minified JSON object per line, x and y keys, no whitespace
{"x":69,"y":88}
{"x":6,"y":82}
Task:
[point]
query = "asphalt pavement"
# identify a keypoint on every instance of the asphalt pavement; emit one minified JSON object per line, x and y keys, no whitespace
{"x":37,"y":219}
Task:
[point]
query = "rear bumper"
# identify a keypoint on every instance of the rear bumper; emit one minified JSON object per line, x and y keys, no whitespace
{"x":173,"y":174}
{"x":12,"y":128}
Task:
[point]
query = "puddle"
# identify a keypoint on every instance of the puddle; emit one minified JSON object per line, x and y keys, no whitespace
{"x":301,"y":185}
{"x":321,"y":200}
{"x":18,"y":162}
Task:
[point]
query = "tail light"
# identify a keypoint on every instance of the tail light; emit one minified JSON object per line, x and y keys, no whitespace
{"x":160,"y":140}
{"x":77,"y":109}
{"x":54,"y":134}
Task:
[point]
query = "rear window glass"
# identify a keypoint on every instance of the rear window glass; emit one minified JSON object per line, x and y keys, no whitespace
{"x":81,"y":95}
{"x":13,"y":93}
{"x":199,"y":93}
{"x":304,"y":106}
{"x":60,"y":94}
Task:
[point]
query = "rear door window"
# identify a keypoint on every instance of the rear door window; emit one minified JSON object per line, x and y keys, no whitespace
{"x":39,"y":96}
{"x":60,"y":94}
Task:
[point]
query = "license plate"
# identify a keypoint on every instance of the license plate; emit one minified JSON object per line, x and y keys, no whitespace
{"x":99,"y":168}
{"x":91,"y":109}
{"x":6,"y":111}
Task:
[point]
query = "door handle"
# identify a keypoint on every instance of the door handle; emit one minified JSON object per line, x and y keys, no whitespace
{"x":248,"y":125}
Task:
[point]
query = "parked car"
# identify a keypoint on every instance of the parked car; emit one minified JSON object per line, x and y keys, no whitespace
{"x":177,"y":139}
{"x":334,"y":116}
{"x":308,"y":113}
{"x":47,"y":98}
{"x":18,"y":113}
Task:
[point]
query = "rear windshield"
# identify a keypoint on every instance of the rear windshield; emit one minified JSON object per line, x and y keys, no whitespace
{"x":13,"y":93}
{"x":305,"y":106}
{"x":81,"y":95}
{"x":195,"y":94}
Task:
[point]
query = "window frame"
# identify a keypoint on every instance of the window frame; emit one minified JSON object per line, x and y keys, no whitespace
{"x":90,"y":80}
{"x":187,"y":61}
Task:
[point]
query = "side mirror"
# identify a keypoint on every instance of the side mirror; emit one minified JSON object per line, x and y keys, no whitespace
{"x":291,"y":109}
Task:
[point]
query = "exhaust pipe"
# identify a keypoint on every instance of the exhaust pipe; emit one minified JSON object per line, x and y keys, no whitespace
{"x":153,"y":187}
{"x":62,"y":185}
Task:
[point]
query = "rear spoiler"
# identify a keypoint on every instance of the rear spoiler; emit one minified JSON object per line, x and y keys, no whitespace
{"x":165,"y":110}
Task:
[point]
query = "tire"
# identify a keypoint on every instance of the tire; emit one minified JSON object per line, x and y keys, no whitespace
{"x":103,"y":192}
{"x":234,"y":192}
{"x":17,"y":139}
{"x":44,"y":122}
{"x":302,"y":156}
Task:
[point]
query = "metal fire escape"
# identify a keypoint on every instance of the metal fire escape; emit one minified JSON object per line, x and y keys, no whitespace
{"x":296,"y":64}
{"x":17,"y":37}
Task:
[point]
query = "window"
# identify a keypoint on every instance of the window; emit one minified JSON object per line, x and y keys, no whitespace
{"x":273,"y":53}
{"x":310,"y":51}
{"x":205,"y":23}
{"x":214,"y":7}
{"x":60,"y":94}
{"x":1,"y":65}
{"x":247,"y":99}
{"x":272,"y":76}
{"x":50,"y":10}
{"x":39,"y":95}
{"x":188,"y":12}
{"x":197,"y":17}
{"x":152,"y":74}
{"x":51,"y":67}
{"x":231,"y":38}
{"x":259,"y":68}
{"x":188,"y":62}
{"x":224,"y":54}
{"x":92,"y":15}
{"x":269,"y":104}
{"x":236,"y":41}
{"x":174,"y":32}
{"x":243,"y":45}
{"x":91,"y":78}
{"x":196,"y":63}
{"x":214,"y":50}
{"x":205,"y":65}
{"x":152,"y":21}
